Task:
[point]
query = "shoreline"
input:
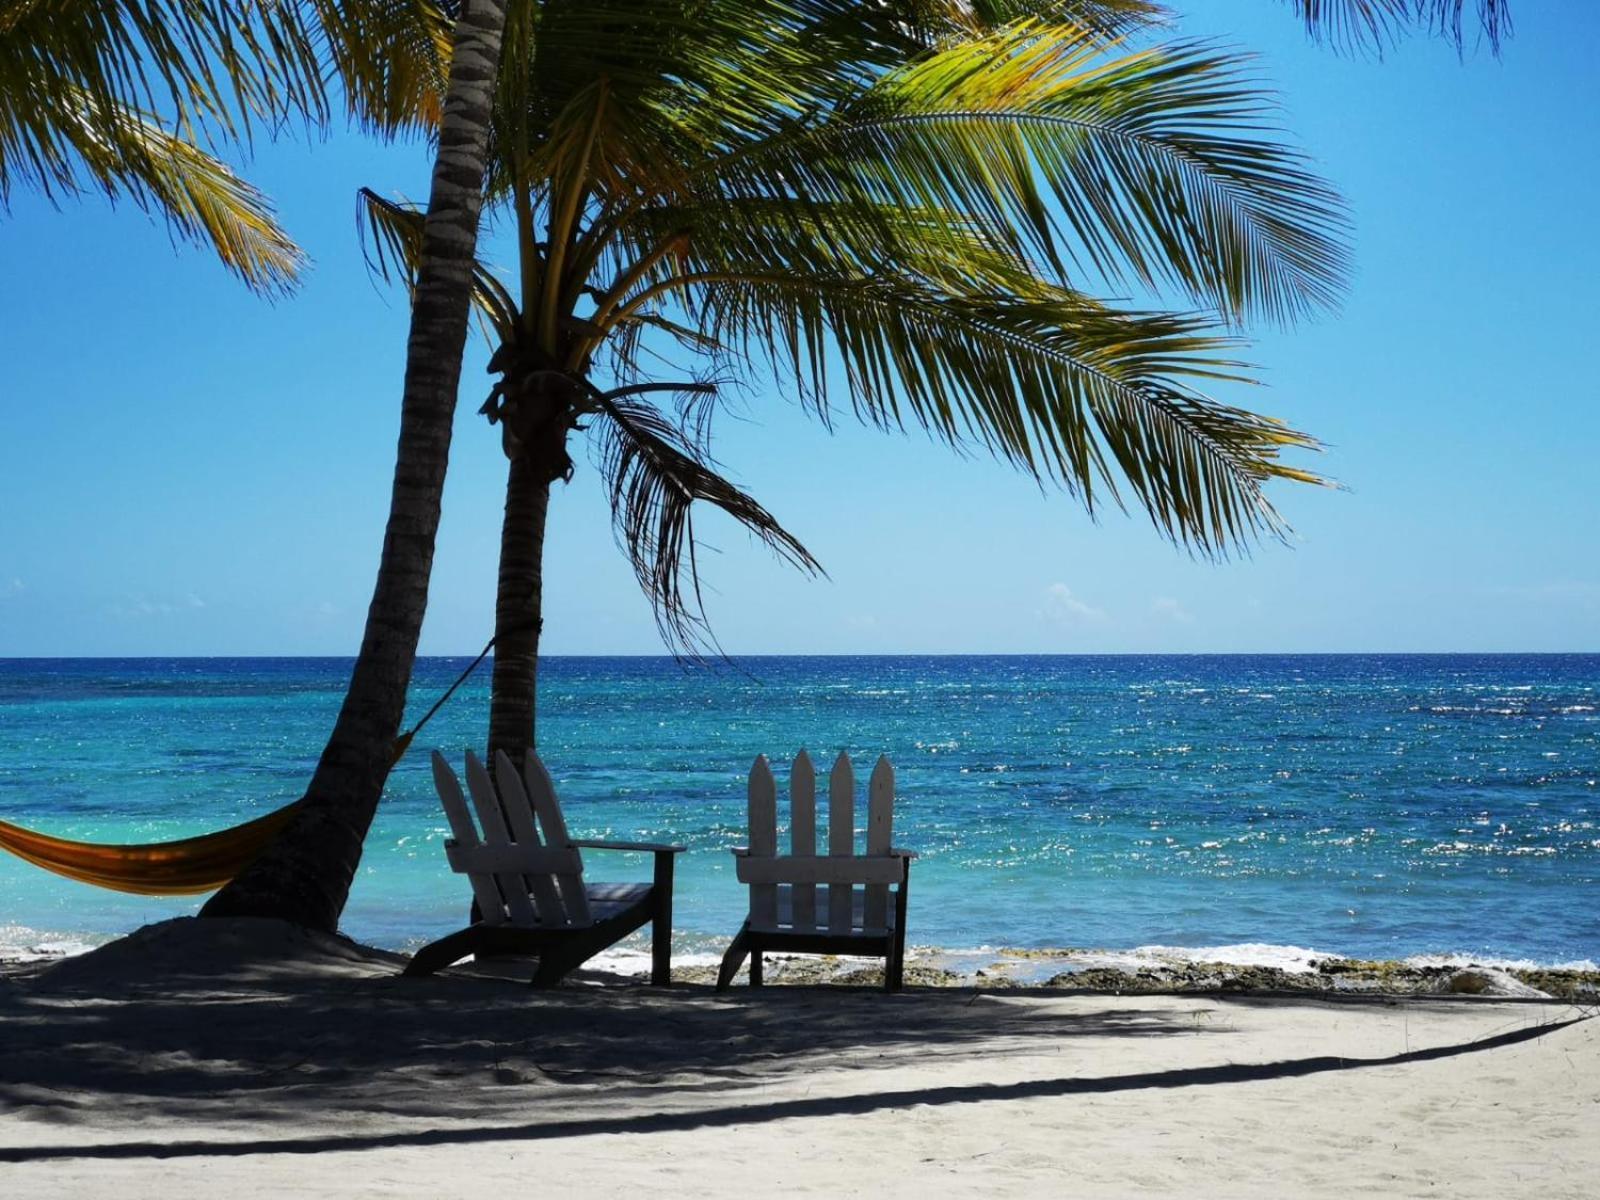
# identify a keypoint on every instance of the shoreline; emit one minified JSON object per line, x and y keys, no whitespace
{"x":1146,"y":970}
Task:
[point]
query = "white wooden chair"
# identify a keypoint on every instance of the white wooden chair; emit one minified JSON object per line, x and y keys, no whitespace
{"x":527,"y":878}
{"x":834,"y":903}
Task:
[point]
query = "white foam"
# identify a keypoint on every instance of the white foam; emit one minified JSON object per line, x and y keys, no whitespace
{"x":1295,"y":959}
{"x":631,"y":960}
{"x":19,"y":943}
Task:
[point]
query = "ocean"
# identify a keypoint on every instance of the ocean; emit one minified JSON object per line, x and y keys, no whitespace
{"x":1386,"y":806}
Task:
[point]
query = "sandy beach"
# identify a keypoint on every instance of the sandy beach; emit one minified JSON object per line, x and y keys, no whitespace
{"x":247,"y":1059}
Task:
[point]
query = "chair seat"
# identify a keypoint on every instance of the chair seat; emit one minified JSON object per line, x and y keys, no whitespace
{"x":857,"y":914}
{"x":609,"y":899}
{"x":606,"y":900}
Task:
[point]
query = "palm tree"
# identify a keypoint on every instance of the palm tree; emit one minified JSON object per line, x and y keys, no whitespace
{"x":1209,"y":460}
{"x":304,"y":875}
{"x":917,"y":208}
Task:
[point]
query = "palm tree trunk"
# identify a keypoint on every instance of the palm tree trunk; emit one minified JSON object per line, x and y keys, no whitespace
{"x":304,"y":875}
{"x":518,"y":612}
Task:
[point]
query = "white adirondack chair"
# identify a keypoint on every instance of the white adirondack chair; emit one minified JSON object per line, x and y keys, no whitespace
{"x":833,"y":903}
{"x":527,"y":878}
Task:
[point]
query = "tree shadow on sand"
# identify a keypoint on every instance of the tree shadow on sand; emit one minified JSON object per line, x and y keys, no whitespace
{"x":240,"y":1029}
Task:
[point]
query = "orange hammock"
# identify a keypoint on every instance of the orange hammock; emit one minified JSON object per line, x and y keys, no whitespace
{"x":197,"y":864}
{"x":186,"y":866}
{"x":180,"y":868}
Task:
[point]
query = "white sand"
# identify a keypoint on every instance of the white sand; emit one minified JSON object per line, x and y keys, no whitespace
{"x":177,"y":1064}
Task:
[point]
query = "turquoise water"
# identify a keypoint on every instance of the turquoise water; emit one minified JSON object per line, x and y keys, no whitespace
{"x":1381,"y":805}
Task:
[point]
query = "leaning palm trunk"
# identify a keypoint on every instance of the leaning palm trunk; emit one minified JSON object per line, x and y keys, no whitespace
{"x":304,"y":875}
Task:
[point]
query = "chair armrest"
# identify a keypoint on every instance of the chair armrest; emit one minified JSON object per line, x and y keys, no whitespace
{"x":636,"y":847}
{"x":896,"y":852}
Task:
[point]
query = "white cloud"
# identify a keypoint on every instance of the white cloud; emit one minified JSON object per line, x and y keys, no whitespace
{"x":144,"y":607}
{"x":1559,"y":590}
{"x":1063,"y":608}
{"x":138,"y":607}
{"x":1171,"y":610}
{"x":12,"y":587}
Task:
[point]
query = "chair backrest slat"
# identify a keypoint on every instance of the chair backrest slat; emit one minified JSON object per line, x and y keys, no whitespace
{"x":543,"y":794}
{"x":513,"y":886}
{"x":519,"y":815}
{"x":763,"y":813}
{"x":803,"y":836}
{"x":880,"y":821}
{"x":841,"y":840}
{"x":524,"y":860}
{"x":491,"y":904}
{"x":827,"y":869}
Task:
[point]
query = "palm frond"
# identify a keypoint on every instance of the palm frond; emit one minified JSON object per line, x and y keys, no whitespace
{"x":1104,"y":18}
{"x":1067,"y":390}
{"x":656,"y":470}
{"x":200,"y":196}
{"x":685,"y":77}
{"x":82,"y":83}
{"x":391,"y":58}
{"x":204,"y":200}
{"x":862,"y":233}
{"x":391,"y":240}
{"x":226,"y":65}
{"x":1374,"y":24}
{"x":679,"y":77}
{"x":1158,"y":164}
{"x":218,"y":62}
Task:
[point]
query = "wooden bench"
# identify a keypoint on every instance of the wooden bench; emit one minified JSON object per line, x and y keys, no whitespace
{"x":834,"y":903}
{"x":526,"y":871}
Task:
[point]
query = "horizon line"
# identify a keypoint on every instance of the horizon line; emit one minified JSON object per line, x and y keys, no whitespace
{"x":711,"y":660}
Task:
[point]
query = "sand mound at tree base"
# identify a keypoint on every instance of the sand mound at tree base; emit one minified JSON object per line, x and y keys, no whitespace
{"x":238,"y":950}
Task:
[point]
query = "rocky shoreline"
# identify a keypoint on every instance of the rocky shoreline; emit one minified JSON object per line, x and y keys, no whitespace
{"x":1103,"y":971}
{"x":1085,"y":971}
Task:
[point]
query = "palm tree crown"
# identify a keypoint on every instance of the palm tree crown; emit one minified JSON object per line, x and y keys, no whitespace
{"x":910,"y":206}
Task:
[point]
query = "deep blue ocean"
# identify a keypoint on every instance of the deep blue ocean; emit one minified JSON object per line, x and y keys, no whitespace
{"x":1370,"y":805}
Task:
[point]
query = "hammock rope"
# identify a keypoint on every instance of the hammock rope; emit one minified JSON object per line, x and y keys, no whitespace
{"x":186,"y":866}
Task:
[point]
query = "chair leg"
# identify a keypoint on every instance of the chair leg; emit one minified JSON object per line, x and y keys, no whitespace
{"x":436,"y":956}
{"x":661,"y":923}
{"x":731,"y":961}
{"x":755,"y":968}
{"x":553,"y":968}
{"x":895,"y":976}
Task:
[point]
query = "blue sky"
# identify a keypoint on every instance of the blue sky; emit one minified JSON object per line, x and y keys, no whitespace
{"x":185,"y":469}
